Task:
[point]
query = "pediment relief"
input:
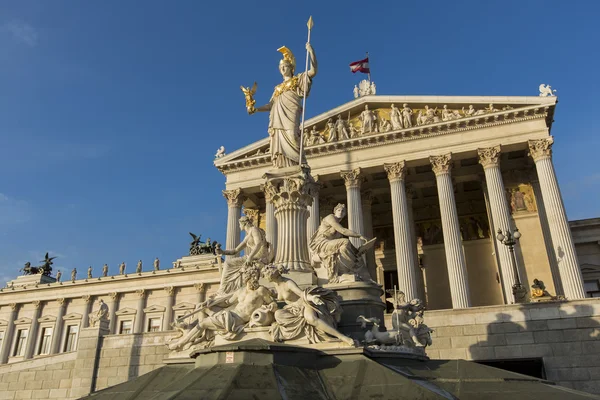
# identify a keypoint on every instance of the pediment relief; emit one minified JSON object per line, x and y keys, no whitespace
{"x":126,"y":311}
{"x":184,"y":306}
{"x":72,"y":316}
{"x":47,"y":318}
{"x":381,"y":119}
{"x":23,"y":321}
{"x":154,"y":308}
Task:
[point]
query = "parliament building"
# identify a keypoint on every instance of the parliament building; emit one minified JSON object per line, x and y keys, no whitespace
{"x":432,"y":178}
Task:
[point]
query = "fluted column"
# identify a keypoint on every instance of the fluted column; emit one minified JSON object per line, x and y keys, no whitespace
{"x":270,"y":220}
{"x":541,"y":208}
{"x":367,"y":202}
{"x":407,"y":279}
{"x":31,"y":339}
{"x":139,"y":315}
{"x":85,"y":318}
{"x":112,"y":309}
{"x":353,"y":181}
{"x":8,"y":334}
{"x":455,"y":256}
{"x":314,"y":218}
{"x":235,"y":198}
{"x":570,"y":274}
{"x":168,"y":308}
{"x":413,"y":242}
{"x":289,"y":191}
{"x":489,"y":158}
{"x":58,"y":325}
{"x":200,"y":291}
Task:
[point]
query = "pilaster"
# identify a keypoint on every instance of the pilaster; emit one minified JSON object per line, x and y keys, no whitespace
{"x":8,"y":334}
{"x":58,"y":325}
{"x":170,"y":290}
{"x":139,"y":315}
{"x":30,"y":347}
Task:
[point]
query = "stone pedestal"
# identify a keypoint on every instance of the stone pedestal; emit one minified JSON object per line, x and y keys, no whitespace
{"x":87,"y":360}
{"x":30,"y":280}
{"x":289,"y":190}
{"x":199,"y":261}
{"x":358,"y":298}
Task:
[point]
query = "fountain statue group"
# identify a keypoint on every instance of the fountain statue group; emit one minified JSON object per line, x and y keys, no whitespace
{"x":241,"y":302}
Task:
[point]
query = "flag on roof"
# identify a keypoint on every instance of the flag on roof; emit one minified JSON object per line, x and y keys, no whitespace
{"x":360,"y":66}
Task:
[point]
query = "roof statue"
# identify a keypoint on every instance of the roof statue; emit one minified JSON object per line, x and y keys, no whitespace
{"x":546,"y":91}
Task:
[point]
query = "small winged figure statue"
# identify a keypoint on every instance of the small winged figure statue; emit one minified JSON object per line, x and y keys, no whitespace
{"x":220,"y":152}
{"x":546,"y":91}
{"x":248,"y":94}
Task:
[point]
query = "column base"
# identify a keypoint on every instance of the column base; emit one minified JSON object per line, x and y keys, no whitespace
{"x":520,"y":293}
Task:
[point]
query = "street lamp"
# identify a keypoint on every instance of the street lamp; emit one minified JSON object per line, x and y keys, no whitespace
{"x":509,"y":239}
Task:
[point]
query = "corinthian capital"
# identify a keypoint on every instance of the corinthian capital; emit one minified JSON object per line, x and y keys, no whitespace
{"x":441,"y":164}
{"x":489,"y":156}
{"x":352,"y":178}
{"x":13,"y":306}
{"x":113,"y":295}
{"x":199,"y":286}
{"x":140,"y":292}
{"x":37,"y":303}
{"x":540,"y":148}
{"x":269,"y":190}
{"x":234,"y":197}
{"x":61,"y":301}
{"x":170,"y":290}
{"x":395,"y":171}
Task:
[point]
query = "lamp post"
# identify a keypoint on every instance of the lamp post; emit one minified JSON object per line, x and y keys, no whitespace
{"x":509,"y":239}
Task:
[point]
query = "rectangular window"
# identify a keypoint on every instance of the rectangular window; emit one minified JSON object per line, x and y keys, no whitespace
{"x":20,"y":343}
{"x":154,"y":325}
{"x":45,"y":341}
{"x":592,"y":288}
{"x":71,"y":338}
{"x":126,"y":327}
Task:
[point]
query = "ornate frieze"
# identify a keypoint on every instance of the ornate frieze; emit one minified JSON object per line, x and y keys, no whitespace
{"x":397,"y":124}
{"x":489,"y":156}
{"x":234,"y":197}
{"x":540,"y":148}
{"x":395,"y":171}
{"x":352,"y":178}
{"x":441,"y":164}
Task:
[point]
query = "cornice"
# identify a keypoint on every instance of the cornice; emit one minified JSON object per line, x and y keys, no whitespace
{"x":515,"y":115}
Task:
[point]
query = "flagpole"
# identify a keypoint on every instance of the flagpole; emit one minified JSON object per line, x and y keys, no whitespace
{"x":309,"y":24}
{"x":369,"y":67}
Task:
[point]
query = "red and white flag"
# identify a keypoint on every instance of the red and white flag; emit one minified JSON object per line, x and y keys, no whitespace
{"x":360,"y":66}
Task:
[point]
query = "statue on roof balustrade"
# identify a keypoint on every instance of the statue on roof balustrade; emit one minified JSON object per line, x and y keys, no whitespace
{"x":285,"y":108}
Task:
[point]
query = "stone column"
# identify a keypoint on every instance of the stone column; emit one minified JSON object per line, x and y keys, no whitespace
{"x":57,"y":334}
{"x":235,"y":199}
{"x":570,"y":274}
{"x":271,"y":221}
{"x":367,"y":201}
{"x":112,"y":309}
{"x":413,"y":242}
{"x":31,"y":339}
{"x":314,"y":218}
{"x":85,"y":318}
{"x":8,"y":334}
{"x":139,"y":314}
{"x":353,"y":180}
{"x":201,"y":291}
{"x":166,"y":326}
{"x":405,"y":263}
{"x":489,"y":158}
{"x":455,"y":256}
{"x":289,"y":191}
{"x":541,"y":208}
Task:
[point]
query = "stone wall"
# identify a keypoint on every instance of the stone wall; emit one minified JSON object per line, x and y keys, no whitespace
{"x":124,"y":357}
{"x":565,"y":335}
{"x":47,"y":377}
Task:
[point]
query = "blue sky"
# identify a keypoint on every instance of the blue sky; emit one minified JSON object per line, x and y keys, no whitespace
{"x":111,"y":112}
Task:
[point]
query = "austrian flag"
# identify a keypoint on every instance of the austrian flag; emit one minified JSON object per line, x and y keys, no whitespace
{"x":360,"y":66}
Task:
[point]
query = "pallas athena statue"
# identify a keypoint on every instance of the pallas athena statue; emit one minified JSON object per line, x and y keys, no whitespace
{"x":285,"y":108}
